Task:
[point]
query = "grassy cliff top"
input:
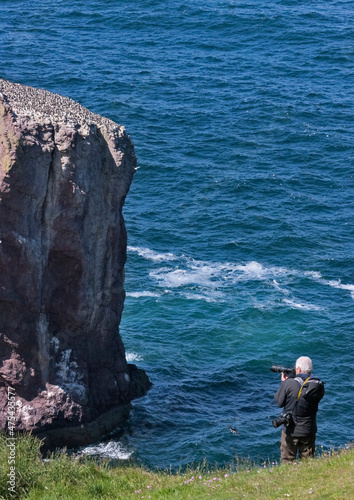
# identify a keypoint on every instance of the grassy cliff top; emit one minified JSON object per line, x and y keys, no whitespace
{"x":329,"y":477}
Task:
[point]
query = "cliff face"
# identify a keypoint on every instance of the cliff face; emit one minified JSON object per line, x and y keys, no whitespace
{"x":64,"y":175}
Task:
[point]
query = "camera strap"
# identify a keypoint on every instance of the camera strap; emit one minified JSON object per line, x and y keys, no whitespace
{"x":302,"y":385}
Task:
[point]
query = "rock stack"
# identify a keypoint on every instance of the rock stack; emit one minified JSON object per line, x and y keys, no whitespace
{"x":64,"y":175}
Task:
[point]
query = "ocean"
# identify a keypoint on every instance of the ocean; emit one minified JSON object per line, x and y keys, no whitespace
{"x":240,"y":216}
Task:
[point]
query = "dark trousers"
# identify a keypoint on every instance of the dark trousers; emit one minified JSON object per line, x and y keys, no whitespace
{"x":289,"y":446}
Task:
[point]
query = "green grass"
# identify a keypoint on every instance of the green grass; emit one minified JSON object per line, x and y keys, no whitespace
{"x":328,"y":477}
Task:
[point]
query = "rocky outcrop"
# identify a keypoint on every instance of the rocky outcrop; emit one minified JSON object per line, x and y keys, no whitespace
{"x":64,"y":176}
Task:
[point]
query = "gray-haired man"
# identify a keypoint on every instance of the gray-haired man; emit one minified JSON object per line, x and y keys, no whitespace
{"x":300,"y":397}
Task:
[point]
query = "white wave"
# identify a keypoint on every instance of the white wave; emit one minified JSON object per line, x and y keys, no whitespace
{"x":132,"y":356}
{"x":256,"y":271}
{"x":252,"y":270}
{"x":338,"y":284}
{"x":195,"y":275}
{"x":277,"y":287}
{"x":333,"y":283}
{"x":112,"y":449}
{"x":313,"y":274}
{"x":137,"y":295}
{"x":196,"y":296}
{"x":302,"y":305}
{"x":152,"y":255}
{"x":213,"y":276}
{"x":269,"y":305}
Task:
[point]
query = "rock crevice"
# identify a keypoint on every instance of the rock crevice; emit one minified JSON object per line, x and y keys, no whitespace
{"x":64,"y":175}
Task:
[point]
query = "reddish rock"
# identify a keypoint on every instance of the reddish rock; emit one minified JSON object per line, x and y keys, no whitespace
{"x":64,"y":175}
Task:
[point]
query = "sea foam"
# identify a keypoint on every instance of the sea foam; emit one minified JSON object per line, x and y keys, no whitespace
{"x":151,"y":254}
{"x":338,"y":284}
{"x":146,"y":293}
{"x":204,"y":280}
{"x":302,"y":305}
{"x":133,"y":357}
{"x":111,"y":449}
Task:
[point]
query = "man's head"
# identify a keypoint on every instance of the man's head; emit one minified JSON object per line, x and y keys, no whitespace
{"x":303,"y":365}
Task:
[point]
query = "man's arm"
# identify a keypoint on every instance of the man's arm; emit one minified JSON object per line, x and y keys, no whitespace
{"x":280,"y":395}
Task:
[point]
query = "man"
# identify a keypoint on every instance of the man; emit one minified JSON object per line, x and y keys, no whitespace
{"x":300,"y":397}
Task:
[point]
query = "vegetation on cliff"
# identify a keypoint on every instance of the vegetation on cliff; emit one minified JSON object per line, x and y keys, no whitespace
{"x":329,"y":477}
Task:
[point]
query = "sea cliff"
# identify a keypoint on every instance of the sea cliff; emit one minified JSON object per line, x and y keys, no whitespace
{"x":64,"y":175}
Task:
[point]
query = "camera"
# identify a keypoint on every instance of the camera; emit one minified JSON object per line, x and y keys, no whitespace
{"x":284,"y":419}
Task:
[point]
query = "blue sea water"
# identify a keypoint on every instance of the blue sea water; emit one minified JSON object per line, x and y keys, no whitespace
{"x":240,"y":217}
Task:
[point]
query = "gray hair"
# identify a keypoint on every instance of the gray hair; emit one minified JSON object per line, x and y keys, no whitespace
{"x":305,"y":364}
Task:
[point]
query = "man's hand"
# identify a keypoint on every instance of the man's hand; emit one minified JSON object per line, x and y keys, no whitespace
{"x":284,"y":376}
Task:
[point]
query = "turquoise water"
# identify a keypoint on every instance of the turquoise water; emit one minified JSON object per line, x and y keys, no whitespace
{"x":240,"y":217}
